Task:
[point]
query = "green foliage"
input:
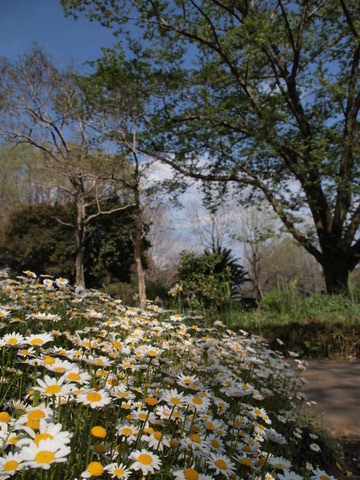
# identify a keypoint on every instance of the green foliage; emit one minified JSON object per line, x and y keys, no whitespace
{"x":318,"y":326}
{"x":265,"y":93}
{"x":284,"y":300}
{"x":208,"y":280}
{"x":35,"y":239}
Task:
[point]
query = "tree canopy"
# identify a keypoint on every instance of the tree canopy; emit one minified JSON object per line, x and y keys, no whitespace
{"x":262,"y":94}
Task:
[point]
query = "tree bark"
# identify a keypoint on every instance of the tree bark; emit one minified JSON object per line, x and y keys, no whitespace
{"x":140,"y":273}
{"x":80,"y":231}
{"x":336,"y":271}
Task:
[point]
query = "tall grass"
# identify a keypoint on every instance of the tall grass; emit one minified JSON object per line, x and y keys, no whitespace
{"x":314,"y":326}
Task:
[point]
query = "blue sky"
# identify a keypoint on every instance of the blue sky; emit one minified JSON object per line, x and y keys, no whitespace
{"x":23,"y":22}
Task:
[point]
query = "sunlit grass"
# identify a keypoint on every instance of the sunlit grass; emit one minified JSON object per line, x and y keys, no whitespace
{"x":91,"y":388}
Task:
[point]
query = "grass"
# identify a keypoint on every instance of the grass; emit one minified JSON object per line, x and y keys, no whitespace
{"x":319,"y":326}
{"x":91,"y":388}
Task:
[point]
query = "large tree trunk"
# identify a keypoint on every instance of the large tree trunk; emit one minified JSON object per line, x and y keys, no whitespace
{"x":336,"y":273}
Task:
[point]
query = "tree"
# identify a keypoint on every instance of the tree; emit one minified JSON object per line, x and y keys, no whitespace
{"x":42,"y":106}
{"x":35,"y":240}
{"x":164,"y":246}
{"x":256,"y":230}
{"x":266,"y":94}
{"x":19,"y":181}
{"x":210,"y":226}
{"x":116,"y":103}
{"x":286,"y":263}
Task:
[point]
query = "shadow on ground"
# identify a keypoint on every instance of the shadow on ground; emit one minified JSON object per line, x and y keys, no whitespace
{"x":334,"y":386}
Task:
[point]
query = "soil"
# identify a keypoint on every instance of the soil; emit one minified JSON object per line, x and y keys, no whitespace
{"x":334,"y":386}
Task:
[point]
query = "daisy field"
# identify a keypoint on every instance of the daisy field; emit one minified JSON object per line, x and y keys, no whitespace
{"x":91,"y":388}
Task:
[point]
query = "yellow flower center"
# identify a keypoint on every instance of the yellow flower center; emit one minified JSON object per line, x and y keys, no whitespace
{"x":324,"y":477}
{"x":175,"y":401}
{"x":190,"y":474}
{"x":221,"y":464}
{"x":5,"y":417}
{"x":49,"y":360}
{"x":45,"y":456}
{"x":33,"y":424}
{"x":12,"y":341}
{"x":127,"y":431}
{"x":95,"y":469}
{"x":13,"y":440}
{"x":73,"y":376}
{"x":118,"y":472}
{"x":197,"y":400}
{"x":195,"y":438}
{"x":215,"y":443}
{"x":10,"y":465}
{"x":145,"y":459}
{"x":36,"y":415}
{"x":42,"y":436}
{"x":59,"y":369}
{"x":93,"y":397}
{"x":158,"y":436}
{"x":98,"y":432}
{"x":36,"y":342}
{"x":246,"y":461}
{"x":151,"y":401}
{"x":53,"y":389}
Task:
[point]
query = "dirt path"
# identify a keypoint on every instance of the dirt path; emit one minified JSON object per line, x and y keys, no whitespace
{"x":335,"y":387}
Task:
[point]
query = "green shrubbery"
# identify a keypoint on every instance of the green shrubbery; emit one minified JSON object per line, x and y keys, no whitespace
{"x":315,"y":326}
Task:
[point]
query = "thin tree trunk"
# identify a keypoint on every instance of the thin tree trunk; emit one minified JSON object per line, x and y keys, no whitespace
{"x":140,"y":275}
{"x":80,"y":242}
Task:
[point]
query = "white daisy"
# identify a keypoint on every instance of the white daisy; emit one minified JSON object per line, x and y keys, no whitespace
{"x":279,"y":463}
{"x":10,"y":463}
{"x":53,"y":387}
{"x":38,"y":340}
{"x":118,"y":470}
{"x":319,"y":474}
{"x":145,"y":461}
{"x":288,"y":475}
{"x":45,"y":454}
{"x":186,"y":474}
{"x":221,"y":464}
{"x":13,"y":339}
{"x":94,"y":398}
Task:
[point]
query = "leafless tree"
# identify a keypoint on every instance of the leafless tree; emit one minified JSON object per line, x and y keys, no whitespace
{"x":41,"y":106}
